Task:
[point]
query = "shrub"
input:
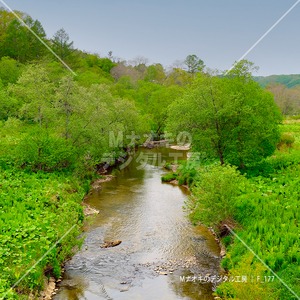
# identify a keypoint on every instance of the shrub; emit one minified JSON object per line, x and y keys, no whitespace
{"x":40,"y":151}
{"x":186,"y":173}
{"x":286,"y":139}
{"x":215,"y":195}
{"x":168,"y":177}
{"x":168,"y":166}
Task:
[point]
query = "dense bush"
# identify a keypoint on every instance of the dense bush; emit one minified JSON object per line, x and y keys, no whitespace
{"x":264,"y":207}
{"x":38,"y":150}
{"x":215,"y":195}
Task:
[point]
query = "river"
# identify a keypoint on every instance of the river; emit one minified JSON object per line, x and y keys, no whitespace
{"x":161,"y":255}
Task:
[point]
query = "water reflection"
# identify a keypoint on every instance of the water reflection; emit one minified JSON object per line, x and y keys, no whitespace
{"x":156,"y":237}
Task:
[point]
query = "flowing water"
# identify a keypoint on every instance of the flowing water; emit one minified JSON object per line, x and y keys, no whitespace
{"x":161,"y":255}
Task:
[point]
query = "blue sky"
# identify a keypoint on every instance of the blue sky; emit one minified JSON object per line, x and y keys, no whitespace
{"x":164,"y":31}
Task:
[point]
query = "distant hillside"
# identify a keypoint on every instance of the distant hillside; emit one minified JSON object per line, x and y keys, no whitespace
{"x":288,"y":80}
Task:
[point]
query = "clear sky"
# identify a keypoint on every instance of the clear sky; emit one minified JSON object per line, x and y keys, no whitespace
{"x":218,"y":31}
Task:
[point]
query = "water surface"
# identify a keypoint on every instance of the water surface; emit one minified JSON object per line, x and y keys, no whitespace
{"x":147,"y":216}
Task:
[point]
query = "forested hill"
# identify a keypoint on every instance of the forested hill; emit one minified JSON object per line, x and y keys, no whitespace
{"x":59,"y":128}
{"x":289,"y":81}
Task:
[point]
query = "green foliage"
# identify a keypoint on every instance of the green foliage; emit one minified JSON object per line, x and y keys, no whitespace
{"x":156,"y":110}
{"x":215,"y":195}
{"x":34,"y":90}
{"x":168,"y":177}
{"x":36,"y":210}
{"x":19,"y":43}
{"x":297,"y":117}
{"x":151,"y":98}
{"x":272,"y":227}
{"x":9,"y":105}
{"x":267,"y":213}
{"x":187,"y":173}
{"x":266,"y":210}
{"x":75,"y":122}
{"x":94,"y":70}
{"x":155,"y":73}
{"x":105,"y":64}
{"x":62,"y":45}
{"x":226,"y":241}
{"x":55,"y":129}
{"x":231,"y":118}
{"x":281,"y":160}
{"x":289,"y":81}
{"x":194,"y":64}
{"x":168,"y":166}
{"x":286,"y":139}
{"x":10,"y":70}
{"x":90,"y":77}
{"x":178,"y":77}
{"x":252,"y":288}
{"x":38,"y":150}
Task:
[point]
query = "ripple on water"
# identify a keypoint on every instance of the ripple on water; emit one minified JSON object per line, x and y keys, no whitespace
{"x":156,"y":237}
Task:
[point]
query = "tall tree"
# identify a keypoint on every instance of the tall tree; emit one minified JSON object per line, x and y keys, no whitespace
{"x":231,"y":118}
{"x":158,"y":105}
{"x":35,"y":93}
{"x":6,"y":18}
{"x":19,"y":43}
{"x":67,"y":103}
{"x":194,"y":64}
{"x":62,"y":44}
{"x":155,"y":73}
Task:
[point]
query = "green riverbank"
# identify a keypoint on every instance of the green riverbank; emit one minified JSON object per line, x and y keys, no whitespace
{"x":256,"y":216}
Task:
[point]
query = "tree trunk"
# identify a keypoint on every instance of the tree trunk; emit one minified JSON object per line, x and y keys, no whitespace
{"x":221,"y":156}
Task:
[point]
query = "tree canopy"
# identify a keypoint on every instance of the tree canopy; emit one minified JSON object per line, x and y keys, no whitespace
{"x":231,"y":118}
{"x":194,"y":64}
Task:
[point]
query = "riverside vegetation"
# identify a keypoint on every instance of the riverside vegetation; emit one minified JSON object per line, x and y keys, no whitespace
{"x":58,"y":129}
{"x":261,"y":205}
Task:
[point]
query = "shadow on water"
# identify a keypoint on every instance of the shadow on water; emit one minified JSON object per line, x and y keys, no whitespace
{"x":159,"y":248}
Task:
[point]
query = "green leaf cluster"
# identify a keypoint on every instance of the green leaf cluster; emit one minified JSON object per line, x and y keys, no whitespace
{"x":36,"y":210}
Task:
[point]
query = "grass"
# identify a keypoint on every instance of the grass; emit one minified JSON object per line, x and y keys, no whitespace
{"x":36,"y":210}
{"x":266,"y":212}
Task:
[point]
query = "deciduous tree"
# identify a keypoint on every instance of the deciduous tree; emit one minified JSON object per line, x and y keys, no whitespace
{"x":231,"y":118}
{"x":35,"y":93}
